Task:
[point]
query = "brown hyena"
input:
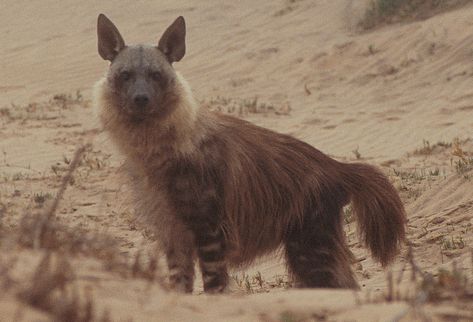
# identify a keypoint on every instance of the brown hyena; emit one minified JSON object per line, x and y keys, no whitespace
{"x":224,"y":191}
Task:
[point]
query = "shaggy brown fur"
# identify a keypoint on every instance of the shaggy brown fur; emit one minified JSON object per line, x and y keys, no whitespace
{"x":225,"y":191}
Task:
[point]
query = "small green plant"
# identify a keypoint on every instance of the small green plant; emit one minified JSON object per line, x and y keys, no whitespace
{"x":357,"y":153}
{"x":453,"y":243}
{"x":40,"y":198}
{"x":372,"y":50}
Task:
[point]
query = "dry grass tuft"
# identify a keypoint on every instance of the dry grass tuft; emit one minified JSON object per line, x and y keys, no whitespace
{"x":257,"y":284}
{"x":450,"y":286}
{"x":53,"y":291}
{"x":42,"y":229}
{"x":381,"y":12}
{"x":243,"y":107}
{"x":428,"y":149}
{"x":67,"y":100}
{"x":42,"y":111}
{"x":463,"y":162}
{"x":148,"y":270}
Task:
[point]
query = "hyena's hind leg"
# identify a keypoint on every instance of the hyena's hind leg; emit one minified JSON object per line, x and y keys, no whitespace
{"x":317,"y":254}
{"x":180,"y":254}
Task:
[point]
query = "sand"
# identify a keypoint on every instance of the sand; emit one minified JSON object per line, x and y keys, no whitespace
{"x":399,"y":97}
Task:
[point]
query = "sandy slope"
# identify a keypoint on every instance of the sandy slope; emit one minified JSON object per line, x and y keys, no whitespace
{"x":381,"y":93}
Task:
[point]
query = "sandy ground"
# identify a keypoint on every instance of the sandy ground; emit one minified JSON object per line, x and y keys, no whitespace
{"x":400,"y":97}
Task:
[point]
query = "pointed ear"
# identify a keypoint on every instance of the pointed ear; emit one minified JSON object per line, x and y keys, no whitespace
{"x":173,"y":41}
{"x":110,"y":42}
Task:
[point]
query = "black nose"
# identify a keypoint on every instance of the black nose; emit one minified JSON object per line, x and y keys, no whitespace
{"x":141,"y":100}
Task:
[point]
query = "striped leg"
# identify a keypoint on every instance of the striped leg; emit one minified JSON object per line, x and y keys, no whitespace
{"x":195,"y":196}
{"x":180,"y":260}
{"x":202,"y":219}
{"x":211,"y":252}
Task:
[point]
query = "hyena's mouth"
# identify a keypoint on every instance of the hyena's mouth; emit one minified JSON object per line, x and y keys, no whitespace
{"x":142,"y":115}
{"x":137,"y":118}
{"x":134,"y":115}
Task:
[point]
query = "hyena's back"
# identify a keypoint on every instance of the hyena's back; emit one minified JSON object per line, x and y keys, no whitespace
{"x":268,"y":185}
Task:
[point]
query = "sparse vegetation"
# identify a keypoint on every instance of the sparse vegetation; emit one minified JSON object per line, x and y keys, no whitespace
{"x":464,"y":162}
{"x":52,"y":290}
{"x":42,"y":230}
{"x":445,"y":285}
{"x":357,"y":153}
{"x":257,"y":284}
{"x":426,"y":288}
{"x":382,"y":12}
{"x":242,"y":107}
{"x":43,"y":111}
{"x":40,"y":198}
{"x":451,"y":243}
{"x":463,"y":165}
{"x":411,"y":182}
{"x":428,"y":149}
{"x":67,"y":100}
{"x":372,"y":50}
{"x":17,"y":176}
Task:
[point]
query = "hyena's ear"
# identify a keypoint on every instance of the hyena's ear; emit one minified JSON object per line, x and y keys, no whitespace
{"x":110,"y":42}
{"x":173,"y":41}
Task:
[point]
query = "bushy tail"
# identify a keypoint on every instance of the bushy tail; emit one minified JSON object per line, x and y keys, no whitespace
{"x":380,"y":213}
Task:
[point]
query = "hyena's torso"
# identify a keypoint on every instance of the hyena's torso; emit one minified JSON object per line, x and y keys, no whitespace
{"x":226,"y":178}
{"x":224,"y":190}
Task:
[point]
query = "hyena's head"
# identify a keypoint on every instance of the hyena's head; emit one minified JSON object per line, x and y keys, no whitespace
{"x":141,"y":79}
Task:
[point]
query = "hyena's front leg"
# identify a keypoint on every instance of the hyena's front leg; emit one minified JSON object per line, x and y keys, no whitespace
{"x":180,"y":259}
{"x":211,"y":251}
{"x":197,"y":204}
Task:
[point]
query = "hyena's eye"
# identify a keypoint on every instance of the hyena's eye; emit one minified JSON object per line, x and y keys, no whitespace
{"x":156,"y":76}
{"x":125,"y":76}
